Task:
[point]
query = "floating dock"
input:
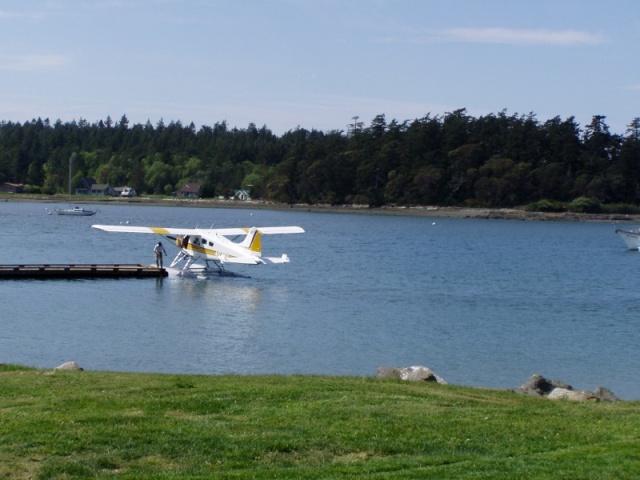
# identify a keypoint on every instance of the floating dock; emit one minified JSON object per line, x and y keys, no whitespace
{"x":48,"y":271}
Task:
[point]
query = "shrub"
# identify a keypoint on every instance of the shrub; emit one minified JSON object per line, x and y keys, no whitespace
{"x":32,"y":189}
{"x":545,"y":205}
{"x":584,"y":205}
{"x":625,"y":208}
{"x":474,"y":203}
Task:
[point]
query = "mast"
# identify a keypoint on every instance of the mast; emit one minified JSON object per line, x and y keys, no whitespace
{"x":70,"y":168}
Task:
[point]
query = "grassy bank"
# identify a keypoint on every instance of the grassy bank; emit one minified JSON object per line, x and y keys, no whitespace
{"x":91,"y":424}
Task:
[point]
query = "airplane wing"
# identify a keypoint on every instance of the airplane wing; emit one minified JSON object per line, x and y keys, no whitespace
{"x":156,"y":230}
{"x":196,"y":231}
{"x":262,"y":230}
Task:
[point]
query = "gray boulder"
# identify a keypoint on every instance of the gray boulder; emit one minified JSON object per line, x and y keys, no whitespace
{"x":605,"y":395}
{"x":538,"y":386}
{"x":573,"y":395}
{"x":69,"y":366}
{"x":412,"y":374}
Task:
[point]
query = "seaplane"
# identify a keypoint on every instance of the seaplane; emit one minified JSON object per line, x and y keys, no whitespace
{"x":203,"y":252}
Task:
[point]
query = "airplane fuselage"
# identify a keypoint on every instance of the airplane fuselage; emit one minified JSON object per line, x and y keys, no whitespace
{"x":217,"y":248}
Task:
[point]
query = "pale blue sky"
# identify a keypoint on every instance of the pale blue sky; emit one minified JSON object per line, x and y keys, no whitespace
{"x":318,"y":63}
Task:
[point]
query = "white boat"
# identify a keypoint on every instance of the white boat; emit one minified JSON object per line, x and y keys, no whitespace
{"x":128,"y":192}
{"x":77,"y":211}
{"x":631,"y":237}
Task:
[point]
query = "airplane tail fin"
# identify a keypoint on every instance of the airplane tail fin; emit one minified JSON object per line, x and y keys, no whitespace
{"x":253,"y":242}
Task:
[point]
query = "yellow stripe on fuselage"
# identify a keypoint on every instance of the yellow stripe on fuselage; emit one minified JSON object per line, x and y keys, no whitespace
{"x":205,"y":251}
{"x":198,"y":249}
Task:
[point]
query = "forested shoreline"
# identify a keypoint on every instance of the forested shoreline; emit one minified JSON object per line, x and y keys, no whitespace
{"x":496,"y":160}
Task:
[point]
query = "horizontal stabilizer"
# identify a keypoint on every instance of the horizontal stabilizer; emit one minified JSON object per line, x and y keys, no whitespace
{"x":283,"y":259}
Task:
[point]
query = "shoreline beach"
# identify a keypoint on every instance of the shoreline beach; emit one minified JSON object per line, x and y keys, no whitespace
{"x":416,"y":211}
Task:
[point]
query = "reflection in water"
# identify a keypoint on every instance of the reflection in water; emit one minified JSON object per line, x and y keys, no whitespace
{"x":215,"y":292}
{"x":224,"y":314}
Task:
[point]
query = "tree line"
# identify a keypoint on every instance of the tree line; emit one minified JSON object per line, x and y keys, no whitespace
{"x":495,"y":160}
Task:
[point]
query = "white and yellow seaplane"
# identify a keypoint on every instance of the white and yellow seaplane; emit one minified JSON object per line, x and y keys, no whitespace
{"x":212,"y":246}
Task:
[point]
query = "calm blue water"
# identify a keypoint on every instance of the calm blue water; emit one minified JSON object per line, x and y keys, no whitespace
{"x":481,"y":302}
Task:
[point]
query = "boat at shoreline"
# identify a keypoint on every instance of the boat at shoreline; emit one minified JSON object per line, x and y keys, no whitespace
{"x":74,"y":211}
{"x":631,"y":237}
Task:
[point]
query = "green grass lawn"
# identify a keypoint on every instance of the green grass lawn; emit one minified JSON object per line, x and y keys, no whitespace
{"x":102,"y":425}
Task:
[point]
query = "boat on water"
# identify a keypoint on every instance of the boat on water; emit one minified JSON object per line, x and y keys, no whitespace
{"x":631,"y":237}
{"x":74,"y":211}
{"x":77,"y":211}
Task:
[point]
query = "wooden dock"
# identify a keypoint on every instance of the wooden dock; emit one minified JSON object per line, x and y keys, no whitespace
{"x":69,"y":271}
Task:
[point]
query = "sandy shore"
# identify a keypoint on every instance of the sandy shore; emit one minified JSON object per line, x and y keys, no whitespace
{"x":418,"y":211}
{"x":478,"y":213}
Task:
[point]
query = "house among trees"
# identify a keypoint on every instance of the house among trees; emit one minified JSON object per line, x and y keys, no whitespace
{"x":189,"y":190}
{"x":84,"y":186}
{"x":102,"y":189}
{"x":242,"y":195}
{"x":8,"y":187}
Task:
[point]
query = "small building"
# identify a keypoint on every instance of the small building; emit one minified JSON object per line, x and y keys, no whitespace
{"x":189,"y":190}
{"x":242,"y":195}
{"x":8,"y":187}
{"x":84,"y":186}
{"x":103,"y":189}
